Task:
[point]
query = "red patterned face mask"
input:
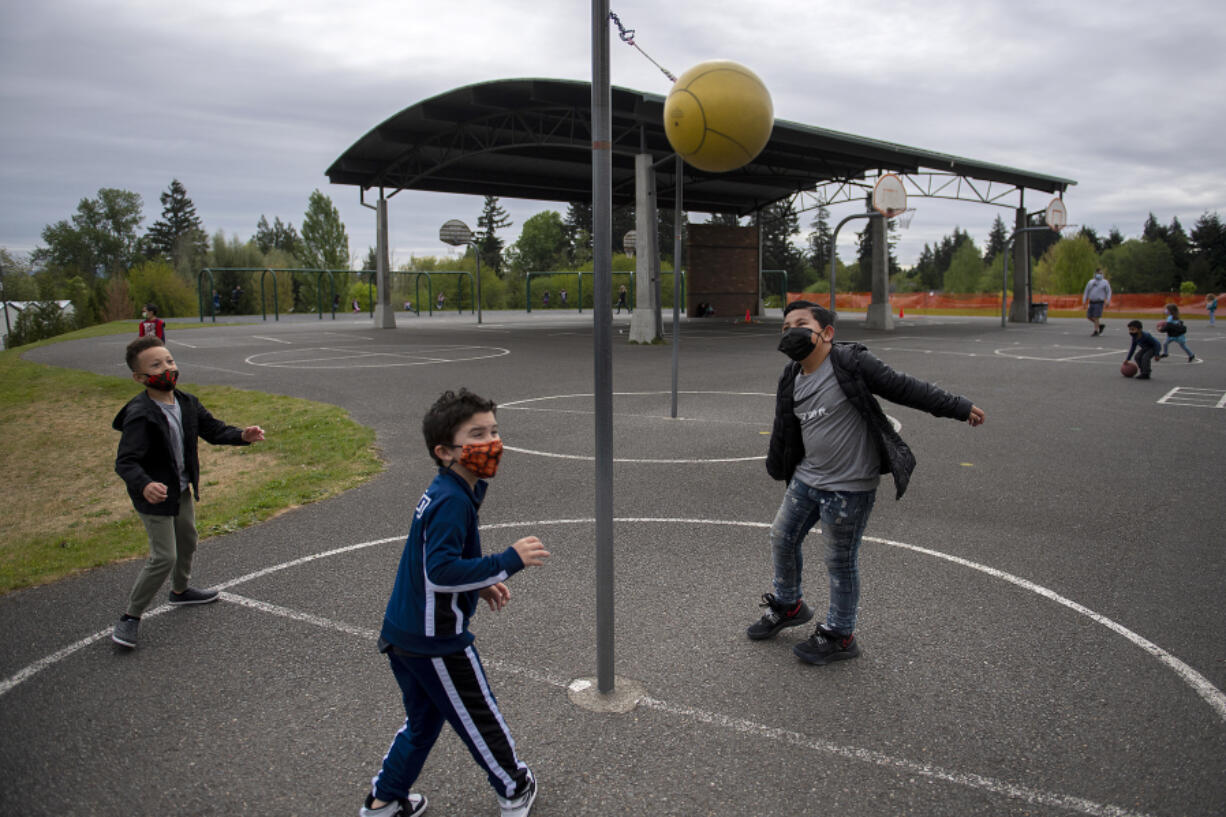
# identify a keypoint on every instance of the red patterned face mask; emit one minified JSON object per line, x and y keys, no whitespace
{"x":481,"y":458}
{"x":164,"y":380}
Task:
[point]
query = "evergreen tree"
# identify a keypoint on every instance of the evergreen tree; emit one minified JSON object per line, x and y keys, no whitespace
{"x":998,"y":238}
{"x":665,"y":227}
{"x":925,"y":269}
{"x":493,"y":218}
{"x":624,"y":221}
{"x":578,"y":227}
{"x":819,"y":242}
{"x":1209,"y":247}
{"x":178,"y":236}
{"x":277,"y":237}
{"x":1040,"y":240}
{"x":864,"y":257}
{"x":1091,"y":235}
{"x":1181,"y":247}
{"x":1152,"y":230}
{"x":779,"y":224}
{"x":1114,"y":239}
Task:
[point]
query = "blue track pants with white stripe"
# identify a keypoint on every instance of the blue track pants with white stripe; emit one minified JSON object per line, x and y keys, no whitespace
{"x":451,"y":689}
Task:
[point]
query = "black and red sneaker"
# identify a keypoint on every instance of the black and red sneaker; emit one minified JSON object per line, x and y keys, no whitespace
{"x":777,"y":616}
{"x":824,"y":646}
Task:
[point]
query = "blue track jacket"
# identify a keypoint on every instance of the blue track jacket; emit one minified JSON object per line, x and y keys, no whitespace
{"x":442,"y":569}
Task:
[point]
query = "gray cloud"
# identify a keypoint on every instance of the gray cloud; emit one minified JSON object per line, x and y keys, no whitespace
{"x":248,"y":104}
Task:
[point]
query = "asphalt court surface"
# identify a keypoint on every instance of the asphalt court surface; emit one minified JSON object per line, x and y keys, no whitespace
{"x":1041,"y":615}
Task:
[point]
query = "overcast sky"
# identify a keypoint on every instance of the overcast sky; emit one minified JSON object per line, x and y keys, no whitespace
{"x":247,"y":102}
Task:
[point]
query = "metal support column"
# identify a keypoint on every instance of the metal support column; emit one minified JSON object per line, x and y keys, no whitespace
{"x":385,"y":316}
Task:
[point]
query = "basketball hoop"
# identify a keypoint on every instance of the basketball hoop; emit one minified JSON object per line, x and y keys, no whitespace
{"x":1057,"y":215}
{"x":889,"y":196}
{"x":903,"y":219}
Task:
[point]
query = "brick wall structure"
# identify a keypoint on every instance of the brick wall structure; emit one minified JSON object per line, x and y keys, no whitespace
{"x":721,"y":264}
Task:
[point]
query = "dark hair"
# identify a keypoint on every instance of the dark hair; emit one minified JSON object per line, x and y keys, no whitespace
{"x":823,"y":315}
{"x":139,"y":345}
{"x":448,"y":413}
{"x":151,"y":308}
{"x":1134,"y":325}
{"x":1174,"y":310}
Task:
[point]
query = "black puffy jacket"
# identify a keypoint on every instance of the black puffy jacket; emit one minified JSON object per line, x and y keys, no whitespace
{"x":144,"y":449}
{"x":861,"y":375}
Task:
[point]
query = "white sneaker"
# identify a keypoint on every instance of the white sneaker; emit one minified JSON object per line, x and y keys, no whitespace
{"x":522,"y":805}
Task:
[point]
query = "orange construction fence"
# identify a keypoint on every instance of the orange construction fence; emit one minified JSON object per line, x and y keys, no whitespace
{"x":1141,"y":302}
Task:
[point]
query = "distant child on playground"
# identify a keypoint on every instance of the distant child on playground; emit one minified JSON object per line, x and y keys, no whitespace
{"x":1211,"y":308}
{"x":1146,"y":347}
{"x":151,"y":324}
{"x":157,"y":460}
{"x":441,"y":578}
{"x":1176,"y":330}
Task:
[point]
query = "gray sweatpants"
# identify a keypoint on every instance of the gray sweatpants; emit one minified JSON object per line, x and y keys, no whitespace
{"x":172,"y":544}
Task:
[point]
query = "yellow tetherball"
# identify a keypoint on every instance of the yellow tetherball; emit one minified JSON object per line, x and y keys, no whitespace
{"x":718,"y":116}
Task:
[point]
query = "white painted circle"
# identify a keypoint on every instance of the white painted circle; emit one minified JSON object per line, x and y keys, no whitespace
{"x":521,"y":404}
{"x":371,"y":357}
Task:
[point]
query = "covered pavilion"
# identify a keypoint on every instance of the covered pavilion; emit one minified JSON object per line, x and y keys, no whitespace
{"x":532,"y":139}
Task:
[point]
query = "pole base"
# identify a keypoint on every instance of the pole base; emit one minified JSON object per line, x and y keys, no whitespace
{"x":385,"y":317}
{"x":623,"y":698}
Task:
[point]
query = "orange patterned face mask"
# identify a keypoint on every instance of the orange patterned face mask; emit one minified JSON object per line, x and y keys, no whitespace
{"x":481,"y":458}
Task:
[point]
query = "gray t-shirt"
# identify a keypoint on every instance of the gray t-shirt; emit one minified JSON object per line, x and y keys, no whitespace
{"x":174,"y":419}
{"x":839,"y":452}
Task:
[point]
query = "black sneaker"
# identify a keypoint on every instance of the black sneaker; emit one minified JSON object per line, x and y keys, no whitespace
{"x":776,"y":617}
{"x":193,"y":596}
{"x":125,"y":632}
{"x":824,"y":647}
{"x":411,"y":806}
{"x":1191,"y":358}
{"x":1143,"y":377}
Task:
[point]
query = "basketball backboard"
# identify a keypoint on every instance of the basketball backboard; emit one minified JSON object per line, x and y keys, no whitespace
{"x":889,"y":196}
{"x":1057,"y":215}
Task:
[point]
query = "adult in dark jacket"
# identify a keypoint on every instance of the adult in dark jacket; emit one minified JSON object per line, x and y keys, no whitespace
{"x":160,"y":466}
{"x":830,"y":442}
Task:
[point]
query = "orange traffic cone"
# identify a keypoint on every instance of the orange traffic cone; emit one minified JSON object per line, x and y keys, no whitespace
{"x":747,"y":320}
{"x":900,"y":313}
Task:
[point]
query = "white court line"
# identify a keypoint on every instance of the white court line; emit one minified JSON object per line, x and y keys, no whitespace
{"x":273,"y":340}
{"x":589,"y":412}
{"x":637,"y":460}
{"x":179,"y":343}
{"x":1201,"y":685}
{"x":744,"y":726}
{"x":1213,"y":696}
{"x":195,"y":365}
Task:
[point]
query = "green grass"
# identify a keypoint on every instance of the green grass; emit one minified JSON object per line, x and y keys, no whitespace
{"x":64,"y":509}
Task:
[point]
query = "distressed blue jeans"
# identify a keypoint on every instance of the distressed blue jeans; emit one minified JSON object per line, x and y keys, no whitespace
{"x":844,"y":516}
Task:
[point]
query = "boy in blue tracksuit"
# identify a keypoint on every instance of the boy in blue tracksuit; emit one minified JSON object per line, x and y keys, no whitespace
{"x":1146,"y":347}
{"x":441,"y":578}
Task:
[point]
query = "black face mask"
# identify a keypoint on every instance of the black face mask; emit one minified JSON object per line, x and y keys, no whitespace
{"x":797,"y":343}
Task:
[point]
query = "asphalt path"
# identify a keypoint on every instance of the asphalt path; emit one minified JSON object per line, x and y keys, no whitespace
{"x":1041,"y":619}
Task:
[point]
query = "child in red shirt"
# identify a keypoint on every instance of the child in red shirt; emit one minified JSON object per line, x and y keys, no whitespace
{"x":151,"y":324}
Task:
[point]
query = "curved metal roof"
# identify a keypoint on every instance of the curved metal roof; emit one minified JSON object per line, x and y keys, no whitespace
{"x":531,"y":139}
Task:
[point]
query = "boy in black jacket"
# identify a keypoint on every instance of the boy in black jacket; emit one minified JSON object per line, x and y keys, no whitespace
{"x":157,"y":460}
{"x":831,"y":442}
